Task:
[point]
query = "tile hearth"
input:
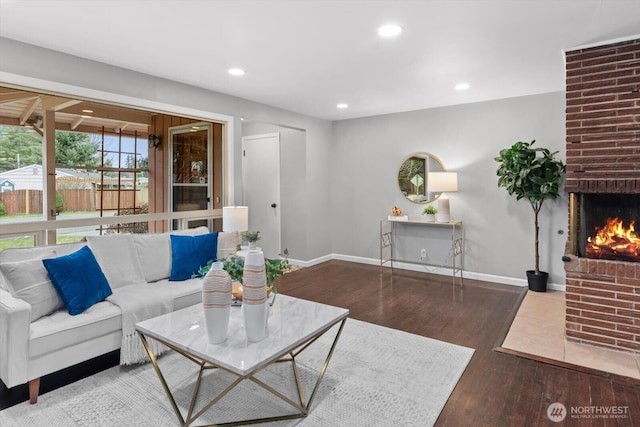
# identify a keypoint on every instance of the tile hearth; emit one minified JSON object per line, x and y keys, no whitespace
{"x":538,"y":329}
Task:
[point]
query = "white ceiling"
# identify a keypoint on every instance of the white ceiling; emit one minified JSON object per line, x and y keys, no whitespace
{"x":307,"y":56}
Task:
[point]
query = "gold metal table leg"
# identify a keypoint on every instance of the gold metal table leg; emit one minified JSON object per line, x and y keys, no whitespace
{"x":165,"y":386}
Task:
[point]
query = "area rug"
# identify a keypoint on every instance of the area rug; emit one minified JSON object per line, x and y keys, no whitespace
{"x":378,"y":376}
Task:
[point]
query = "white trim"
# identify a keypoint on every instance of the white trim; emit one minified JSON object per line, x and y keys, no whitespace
{"x":504,"y":280}
{"x":101,"y":96}
{"x":37,"y":226}
{"x":312,"y":262}
{"x":602,"y":43}
{"x":359,"y":260}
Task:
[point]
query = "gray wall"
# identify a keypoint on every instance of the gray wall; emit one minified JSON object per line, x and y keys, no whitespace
{"x":35,"y":62}
{"x":499,"y":230}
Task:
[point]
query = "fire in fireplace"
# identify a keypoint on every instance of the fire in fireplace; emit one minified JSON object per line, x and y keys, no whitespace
{"x":615,"y":241}
{"x":607,"y":227}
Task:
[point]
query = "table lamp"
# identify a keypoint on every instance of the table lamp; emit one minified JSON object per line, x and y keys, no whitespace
{"x":235,"y":218}
{"x":440,"y":182}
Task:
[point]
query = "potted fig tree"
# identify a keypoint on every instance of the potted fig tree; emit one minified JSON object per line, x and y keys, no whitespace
{"x":533,"y":174}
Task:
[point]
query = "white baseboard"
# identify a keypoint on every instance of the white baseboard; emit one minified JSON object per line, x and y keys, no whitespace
{"x":312,"y":262}
{"x":505,"y":280}
{"x":359,"y":260}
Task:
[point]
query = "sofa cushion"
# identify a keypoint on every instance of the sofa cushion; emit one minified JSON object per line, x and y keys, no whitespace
{"x":29,"y":281}
{"x":59,"y":330}
{"x":117,"y":256}
{"x":78,"y":279}
{"x":37,"y":252}
{"x":189,"y":253}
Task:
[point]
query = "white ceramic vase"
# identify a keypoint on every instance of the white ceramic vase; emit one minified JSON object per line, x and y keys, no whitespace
{"x":216,"y":302}
{"x":254,"y":296}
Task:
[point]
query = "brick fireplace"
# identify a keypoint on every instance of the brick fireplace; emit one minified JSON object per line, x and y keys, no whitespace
{"x":603,"y":159}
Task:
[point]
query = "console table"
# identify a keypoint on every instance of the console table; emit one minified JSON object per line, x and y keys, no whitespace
{"x":387,"y":243}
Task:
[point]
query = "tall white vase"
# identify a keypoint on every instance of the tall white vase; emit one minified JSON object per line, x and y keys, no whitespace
{"x":216,"y":302}
{"x":254,"y":296}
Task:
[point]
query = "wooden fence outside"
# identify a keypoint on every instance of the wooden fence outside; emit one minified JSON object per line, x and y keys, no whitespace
{"x":19,"y":202}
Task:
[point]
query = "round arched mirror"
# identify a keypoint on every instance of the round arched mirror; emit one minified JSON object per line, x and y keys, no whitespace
{"x":412,"y":177}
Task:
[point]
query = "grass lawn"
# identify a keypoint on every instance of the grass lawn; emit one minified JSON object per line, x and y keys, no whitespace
{"x":28,"y":241}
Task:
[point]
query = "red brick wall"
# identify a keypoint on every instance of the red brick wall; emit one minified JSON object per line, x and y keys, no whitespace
{"x":603,"y":119}
{"x":603,"y":156}
{"x":603,"y":303}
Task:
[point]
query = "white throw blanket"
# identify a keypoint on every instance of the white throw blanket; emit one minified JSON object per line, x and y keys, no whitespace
{"x":140,"y":302}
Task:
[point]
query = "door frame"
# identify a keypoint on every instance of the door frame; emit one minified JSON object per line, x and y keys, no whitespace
{"x":173,"y":130}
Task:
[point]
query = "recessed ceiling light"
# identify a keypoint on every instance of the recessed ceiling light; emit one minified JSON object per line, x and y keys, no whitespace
{"x":236,"y":71}
{"x":87,"y":111}
{"x":342,"y":106}
{"x":389,"y":30}
{"x":463,"y":86}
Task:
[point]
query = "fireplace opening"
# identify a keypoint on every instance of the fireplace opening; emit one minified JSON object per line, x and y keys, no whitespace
{"x":609,"y":226}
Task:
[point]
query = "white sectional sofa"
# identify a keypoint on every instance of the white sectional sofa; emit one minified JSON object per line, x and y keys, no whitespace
{"x":38,"y":336}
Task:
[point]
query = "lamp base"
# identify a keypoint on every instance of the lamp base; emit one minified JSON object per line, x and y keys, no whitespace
{"x":444,"y":213}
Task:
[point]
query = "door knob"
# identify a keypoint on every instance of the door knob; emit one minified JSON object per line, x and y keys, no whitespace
{"x":273,"y":205}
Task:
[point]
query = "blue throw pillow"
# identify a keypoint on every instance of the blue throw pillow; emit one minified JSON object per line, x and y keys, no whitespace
{"x":78,"y":279}
{"x":189,"y":253}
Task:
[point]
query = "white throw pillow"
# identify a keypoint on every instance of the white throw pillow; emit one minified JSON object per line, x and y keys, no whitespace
{"x":191,"y":231}
{"x":118,"y":260}
{"x":154,"y":254}
{"x":37,"y":252}
{"x":227,"y":243}
{"x":29,"y":281}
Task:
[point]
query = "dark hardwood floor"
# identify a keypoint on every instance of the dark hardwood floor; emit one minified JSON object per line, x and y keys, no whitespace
{"x":497,"y":389}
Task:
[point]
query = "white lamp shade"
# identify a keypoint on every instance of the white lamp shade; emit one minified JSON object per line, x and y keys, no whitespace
{"x":442,"y":181}
{"x":235,"y":218}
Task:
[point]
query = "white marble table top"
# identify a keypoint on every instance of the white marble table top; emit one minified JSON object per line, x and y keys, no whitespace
{"x":292,"y":321}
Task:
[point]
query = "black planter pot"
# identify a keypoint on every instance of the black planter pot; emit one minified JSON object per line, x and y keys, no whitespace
{"x":537,"y":282}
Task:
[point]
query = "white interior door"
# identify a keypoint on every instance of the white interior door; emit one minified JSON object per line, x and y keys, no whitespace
{"x":261,"y":188}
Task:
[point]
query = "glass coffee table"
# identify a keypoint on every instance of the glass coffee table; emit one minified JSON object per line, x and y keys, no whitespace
{"x":294,"y":324}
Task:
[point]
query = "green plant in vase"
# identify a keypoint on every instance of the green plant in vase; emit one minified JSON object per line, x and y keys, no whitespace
{"x":430,"y":210}
{"x":533,"y":174}
{"x":430,"y":213}
{"x":250,"y":236}
{"x":234,"y":265}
